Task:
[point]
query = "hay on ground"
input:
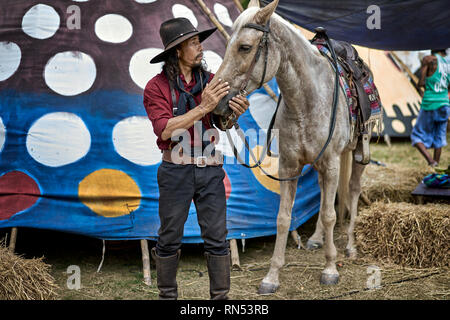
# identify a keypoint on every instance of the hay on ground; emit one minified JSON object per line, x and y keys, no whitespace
{"x":24,"y":279}
{"x":393,"y":183}
{"x":405,"y":234}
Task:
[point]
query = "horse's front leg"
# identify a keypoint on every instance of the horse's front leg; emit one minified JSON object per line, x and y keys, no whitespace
{"x":287,"y":197}
{"x":328,"y":180}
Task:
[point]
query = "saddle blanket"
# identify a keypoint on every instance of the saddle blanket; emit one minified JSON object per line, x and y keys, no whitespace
{"x":376,"y":115}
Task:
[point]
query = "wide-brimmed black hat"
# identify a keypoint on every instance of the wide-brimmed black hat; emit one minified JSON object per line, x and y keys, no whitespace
{"x":175,"y":31}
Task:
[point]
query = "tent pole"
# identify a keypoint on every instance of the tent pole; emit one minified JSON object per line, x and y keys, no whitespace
{"x":12,"y":241}
{"x":146,"y":262}
{"x":238,"y":5}
{"x":405,"y":68}
{"x":213,"y":19}
{"x":234,"y":254}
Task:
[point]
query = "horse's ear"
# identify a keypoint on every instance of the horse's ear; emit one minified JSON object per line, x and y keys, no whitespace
{"x":263,"y":15}
{"x":253,"y":3}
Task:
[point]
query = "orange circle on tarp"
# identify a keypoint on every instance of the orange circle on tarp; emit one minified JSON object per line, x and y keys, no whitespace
{"x":270,"y":165}
{"x":18,"y":192}
{"x":109,"y":193}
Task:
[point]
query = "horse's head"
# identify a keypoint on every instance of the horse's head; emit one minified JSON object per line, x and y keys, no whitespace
{"x":249,"y":61}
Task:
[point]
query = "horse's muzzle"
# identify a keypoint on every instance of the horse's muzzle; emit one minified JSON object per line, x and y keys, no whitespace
{"x":223,"y":108}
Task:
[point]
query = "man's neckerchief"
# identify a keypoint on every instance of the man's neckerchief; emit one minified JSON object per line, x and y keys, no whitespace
{"x":187,"y":97}
{"x":201,"y":79}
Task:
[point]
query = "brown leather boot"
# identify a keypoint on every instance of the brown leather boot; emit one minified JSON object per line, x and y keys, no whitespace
{"x":219,"y":276}
{"x":166,"y":274}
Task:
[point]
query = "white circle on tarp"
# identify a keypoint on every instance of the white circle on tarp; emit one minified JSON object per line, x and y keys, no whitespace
{"x":113,"y":28}
{"x":262,"y":107}
{"x":2,"y":134}
{"x":134,"y":140}
{"x":141,"y":70}
{"x":222,"y":14}
{"x":181,"y":11}
{"x":70,"y":73}
{"x":224,"y":144}
{"x":10,"y":57}
{"x":40,"y":21}
{"x":58,"y":138}
{"x":145,"y":1}
{"x":213,"y":60}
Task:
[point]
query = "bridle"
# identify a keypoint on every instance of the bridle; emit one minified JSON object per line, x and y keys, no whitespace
{"x":263,"y":44}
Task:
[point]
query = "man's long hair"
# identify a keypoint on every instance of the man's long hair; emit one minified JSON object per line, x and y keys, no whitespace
{"x":171,"y":68}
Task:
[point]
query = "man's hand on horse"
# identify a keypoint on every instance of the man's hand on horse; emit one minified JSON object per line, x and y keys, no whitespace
{"x":239,"y":104}
{"x":213,"y":93}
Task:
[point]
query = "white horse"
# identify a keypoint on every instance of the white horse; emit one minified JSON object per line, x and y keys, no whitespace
{"x":307,"y":82}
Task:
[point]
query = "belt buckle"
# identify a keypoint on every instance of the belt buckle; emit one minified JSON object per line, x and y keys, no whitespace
{"x":200,"y":161}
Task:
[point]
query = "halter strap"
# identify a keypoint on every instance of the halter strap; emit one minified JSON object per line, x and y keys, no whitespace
{"x":263,"y":43}
{"x":259,"y":27}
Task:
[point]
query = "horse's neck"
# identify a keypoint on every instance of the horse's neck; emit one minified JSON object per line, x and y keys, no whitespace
{"x":302,"y":71}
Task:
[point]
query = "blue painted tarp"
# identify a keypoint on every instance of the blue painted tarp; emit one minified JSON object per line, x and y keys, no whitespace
{"x":380,"y":24}
{"x":77,"y":151}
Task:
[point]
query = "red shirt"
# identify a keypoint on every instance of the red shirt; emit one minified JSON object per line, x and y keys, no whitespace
{"x":158,"y":104}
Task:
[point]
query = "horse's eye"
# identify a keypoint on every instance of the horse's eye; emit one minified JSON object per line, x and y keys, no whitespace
{"x":245,"y":48}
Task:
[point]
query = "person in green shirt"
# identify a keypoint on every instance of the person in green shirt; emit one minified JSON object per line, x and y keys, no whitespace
{"x":430,"y":129}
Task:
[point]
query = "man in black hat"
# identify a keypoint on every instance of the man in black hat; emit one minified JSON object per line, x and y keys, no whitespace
{"x":180,"y":99}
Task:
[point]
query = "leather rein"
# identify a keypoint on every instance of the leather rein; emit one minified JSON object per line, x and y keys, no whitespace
{"x":264,"y":44}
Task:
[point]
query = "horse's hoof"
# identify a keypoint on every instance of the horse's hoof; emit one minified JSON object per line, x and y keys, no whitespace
{"x":313,"y":245}
{"x":329,"y":279}
{"x":351,"y":253}
{"x":266,"y":288}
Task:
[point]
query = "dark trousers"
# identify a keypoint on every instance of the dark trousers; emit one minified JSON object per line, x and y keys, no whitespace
{"x":178,"y":186}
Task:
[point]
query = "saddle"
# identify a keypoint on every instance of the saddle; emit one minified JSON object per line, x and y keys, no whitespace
{"x":357,"y":75}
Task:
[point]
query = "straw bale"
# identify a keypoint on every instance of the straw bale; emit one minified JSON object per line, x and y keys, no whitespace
{"x":405,"y":234}
{"x":393,"y":183}
{"x":24,"y":279}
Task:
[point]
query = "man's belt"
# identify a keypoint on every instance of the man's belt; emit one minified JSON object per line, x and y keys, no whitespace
{"x":201,"y":161}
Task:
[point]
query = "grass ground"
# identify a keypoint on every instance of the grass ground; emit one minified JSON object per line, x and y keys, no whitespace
{"x":121,"y":274}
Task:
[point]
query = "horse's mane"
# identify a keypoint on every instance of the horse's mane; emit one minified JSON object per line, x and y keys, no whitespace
{"x":248,"y":14}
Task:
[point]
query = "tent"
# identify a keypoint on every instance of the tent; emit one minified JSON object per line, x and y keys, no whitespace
{"x":380,"y":24}
{"x":77,"y":151}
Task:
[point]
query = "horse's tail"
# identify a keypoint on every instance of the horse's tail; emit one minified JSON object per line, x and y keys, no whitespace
{"x":345,"y":172}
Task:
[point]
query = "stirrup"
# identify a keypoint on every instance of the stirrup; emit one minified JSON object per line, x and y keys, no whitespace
{"x":362,"y":151}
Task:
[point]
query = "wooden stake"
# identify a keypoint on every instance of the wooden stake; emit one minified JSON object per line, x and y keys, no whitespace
{"x":146,"y":262}
{"x":387,"y":139}
{"x":234,"y":254}
{"x":12,"y":241}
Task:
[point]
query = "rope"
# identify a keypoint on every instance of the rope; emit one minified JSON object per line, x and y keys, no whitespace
{"x":103,"y":257}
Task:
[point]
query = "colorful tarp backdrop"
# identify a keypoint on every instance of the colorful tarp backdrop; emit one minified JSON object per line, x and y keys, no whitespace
{"x":77,"y":151}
